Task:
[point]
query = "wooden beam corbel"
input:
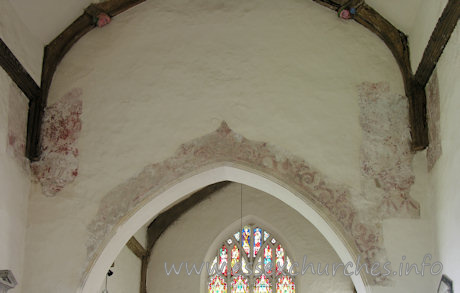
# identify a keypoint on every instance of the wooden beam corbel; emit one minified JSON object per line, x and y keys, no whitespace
{"x":136,"y":248}
{"x":397,"y":42}
{"x":144,"y":256}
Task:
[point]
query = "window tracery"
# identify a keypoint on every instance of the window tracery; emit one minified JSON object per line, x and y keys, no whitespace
{"x":251,"y":261}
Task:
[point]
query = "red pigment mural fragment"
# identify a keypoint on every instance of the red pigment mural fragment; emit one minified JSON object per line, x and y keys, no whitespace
{"x":386,"y":157}
{"x":58,"y":164}
{"x":360,"y":226}
{"x":386,"y":174}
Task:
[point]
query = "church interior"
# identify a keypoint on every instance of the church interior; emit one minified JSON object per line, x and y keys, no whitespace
{"x":293,"y":146}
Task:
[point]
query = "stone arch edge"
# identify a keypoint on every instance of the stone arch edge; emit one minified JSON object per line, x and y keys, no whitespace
{"x":225,"y":148}
{"x":119,"y":235}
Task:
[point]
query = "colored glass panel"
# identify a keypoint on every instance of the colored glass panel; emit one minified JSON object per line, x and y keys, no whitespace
{"x":266,"y":235}
{"x":279,"y":259}
{"x":262,"y":285}
{"x":217,"y":285}
{"x":268,"y":259}
{"x":246,"y":239}
{"x":259,"y":267}
{"x":288,"y":265}
{"x":240,"y":285}
{"x":235,"y":259}
{"x":270,"y":255}
{"x":244,"y":266}
{"x":213,"y":268}
{"x":285,"y":284}
{"x":257,"y":240}
{"x":223,"y":260}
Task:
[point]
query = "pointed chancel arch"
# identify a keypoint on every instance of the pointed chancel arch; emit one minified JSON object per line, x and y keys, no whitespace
{"x":117,"y":238}
{"x":224,"y":155}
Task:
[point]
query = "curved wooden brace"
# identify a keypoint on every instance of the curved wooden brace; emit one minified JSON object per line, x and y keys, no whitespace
{"x":54,"y":52}
{"x":365,"y":15}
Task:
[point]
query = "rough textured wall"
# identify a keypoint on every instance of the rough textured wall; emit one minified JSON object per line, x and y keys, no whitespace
{"x":358,"y":217}
{"x":386,"y":158}
{"x":224,"y":146}
{"x":58,"y":164}
{"x":46,"y":22}
{"x":14,"y":178}
{"x":428,"y":13}
{"x":193,"y":235}
{"x":164,"y":73}
{"x":126,"y":273}
{"x":433,"y":109}
{"x":444,"y":175}
{"x":27,"y":48}
{"x":18,"y":106}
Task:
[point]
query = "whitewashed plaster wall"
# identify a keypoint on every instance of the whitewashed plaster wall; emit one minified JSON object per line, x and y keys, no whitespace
{"x":428,"y":13}
{"x":47,"y":19}
{"x":141,"y":235}
{"x":27,"y":48}
{"x":165,"y":72}
{"x":193,"y":235}
{"x":444,"y":175}
{"x":14,"y":178}
{"x":401,"y":14}
{"x":126,"y":276}
{"x":408,"y":241}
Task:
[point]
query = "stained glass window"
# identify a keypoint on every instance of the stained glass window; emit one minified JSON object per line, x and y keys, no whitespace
{"x":266,"y":235}
{"x":288,"y":265}
{"x":240,"y":285}
{"x":235,"y":259}
{"x":268,"y":259}
{"x":223,"y":259}
{"x":285,"y":284}
{"x":245,"y":264}
{"x":246,"y":239}
{"x":259,"y":267}
{"x":213,"y":267}
{"x":257,"y":240}
{"x":262,"y":285}
{"x":251,"y":255}
{"x":217,"y":285}
{"x":279,"y":259}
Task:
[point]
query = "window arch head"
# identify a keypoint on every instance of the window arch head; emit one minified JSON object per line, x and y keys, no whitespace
{"x":251,"y":261}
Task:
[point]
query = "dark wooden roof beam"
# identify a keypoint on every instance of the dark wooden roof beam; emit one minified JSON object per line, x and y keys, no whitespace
{"x":438,"y":41}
